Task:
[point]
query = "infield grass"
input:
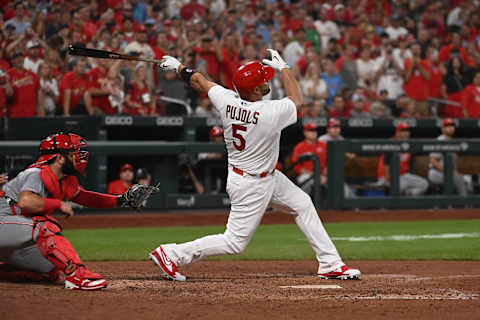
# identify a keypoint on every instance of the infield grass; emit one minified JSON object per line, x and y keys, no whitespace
{"x":286,"y":242}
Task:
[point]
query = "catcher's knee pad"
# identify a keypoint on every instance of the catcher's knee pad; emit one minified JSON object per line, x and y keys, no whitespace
{"x":56,"y":248}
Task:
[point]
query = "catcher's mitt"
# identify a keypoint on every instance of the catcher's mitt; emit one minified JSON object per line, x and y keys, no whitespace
{"x":136,"y":195}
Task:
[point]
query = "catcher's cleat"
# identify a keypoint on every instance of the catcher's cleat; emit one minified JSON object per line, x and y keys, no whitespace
{"x":167,"y":266}
{"x":84,"y":279}
{"x":341,"y":273}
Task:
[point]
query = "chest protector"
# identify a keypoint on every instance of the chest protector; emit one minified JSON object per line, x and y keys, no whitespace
{"x":64,"y":189}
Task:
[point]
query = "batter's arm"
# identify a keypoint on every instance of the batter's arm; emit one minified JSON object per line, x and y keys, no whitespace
{"x":195,"y":79}
{"x":292,"y":89}
{"x":290,"y":84}
{"x":198,"y":81}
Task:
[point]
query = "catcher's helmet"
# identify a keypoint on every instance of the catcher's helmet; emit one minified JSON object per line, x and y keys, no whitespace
{"x":81,"y":153}
{"x":251,"y":75}
{"x":53,"y":145}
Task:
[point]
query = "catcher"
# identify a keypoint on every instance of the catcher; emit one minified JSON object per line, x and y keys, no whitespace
{"x":32,"y":247}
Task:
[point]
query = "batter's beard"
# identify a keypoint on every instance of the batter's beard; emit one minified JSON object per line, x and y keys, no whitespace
{"x":265,"y":91}
{"x":68,"y":168}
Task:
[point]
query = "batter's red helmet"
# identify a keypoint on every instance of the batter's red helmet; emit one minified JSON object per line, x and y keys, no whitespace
{"x":216,"y":131}
{"x":251,"y":75}
{"x":81,"y":153}
{"x":53,"y":145}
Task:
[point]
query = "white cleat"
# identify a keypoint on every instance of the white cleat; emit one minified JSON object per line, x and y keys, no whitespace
{"x":165,"y":264}
{"x":341,"y":273}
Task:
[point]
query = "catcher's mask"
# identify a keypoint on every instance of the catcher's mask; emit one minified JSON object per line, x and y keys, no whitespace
{"x":80,"y":153}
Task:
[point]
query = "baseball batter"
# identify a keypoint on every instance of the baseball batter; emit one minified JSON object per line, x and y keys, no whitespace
{"x":252,"y":129}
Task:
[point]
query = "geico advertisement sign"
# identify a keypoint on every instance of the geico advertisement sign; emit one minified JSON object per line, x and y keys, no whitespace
{"x":118,"y":121}
{"x":170,"y":121}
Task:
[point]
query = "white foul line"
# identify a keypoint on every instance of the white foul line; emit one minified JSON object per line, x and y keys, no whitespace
{"x":312,"y":286}
{"x":407,"y":237}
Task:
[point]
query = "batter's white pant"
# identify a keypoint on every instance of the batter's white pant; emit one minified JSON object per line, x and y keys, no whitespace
{"x":458,"y":181}
{"x":250,"y":196}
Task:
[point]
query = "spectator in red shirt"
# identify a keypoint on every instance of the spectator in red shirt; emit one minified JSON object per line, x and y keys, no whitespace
{"x":140,"y":99}
{"x":72,"y":87}
{"x":417,"y":76}
{"x":120,"y":186}
{"x":192,"y":9}
{"x":454,"y":48}
{"x":339,"y":110}
{"x":471,"y":98}
{"x":437,"y":71}
{"x":160,"y":45}
{"x":127,"y":30}
{"x":99,"y":89}
{"x":207,"y":52}
{"x":228,"y":53}
{"x":89,"y":28}
{"x":26,"y":94}
{"x":310,"y":145}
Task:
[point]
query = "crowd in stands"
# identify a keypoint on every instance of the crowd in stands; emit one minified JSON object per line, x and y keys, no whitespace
{"x":357,"y":58}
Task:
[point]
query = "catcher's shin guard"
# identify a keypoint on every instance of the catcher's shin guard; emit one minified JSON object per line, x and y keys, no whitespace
{"x":56,"y":248}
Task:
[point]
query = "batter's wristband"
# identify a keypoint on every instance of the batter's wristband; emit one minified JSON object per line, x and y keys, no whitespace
{"x":186,"y":74}
{"x":51,"y":204}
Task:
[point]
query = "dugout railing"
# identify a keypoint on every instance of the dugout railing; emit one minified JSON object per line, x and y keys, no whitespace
{"x":166,"y":169}
{"x":164,"y":156}
{"x":336,"y":167}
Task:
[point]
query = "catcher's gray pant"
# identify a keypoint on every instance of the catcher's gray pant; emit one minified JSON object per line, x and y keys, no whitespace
{"x":410,"y":184}
{"x":436,"y":177}
{"x":17,"y":244}
{"x":250,"y":196}
{"x":308,"y":186}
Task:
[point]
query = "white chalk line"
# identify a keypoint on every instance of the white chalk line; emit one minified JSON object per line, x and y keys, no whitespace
{"x":312,"y":286}
{"x":407,"y":237}
{"x":459,"y":276}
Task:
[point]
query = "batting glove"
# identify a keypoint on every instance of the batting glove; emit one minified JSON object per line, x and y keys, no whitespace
{"x":169,"y":64}
{"x":276,"y":61}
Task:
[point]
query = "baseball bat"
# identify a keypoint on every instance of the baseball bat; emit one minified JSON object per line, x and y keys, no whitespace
{"x":103,"y":54}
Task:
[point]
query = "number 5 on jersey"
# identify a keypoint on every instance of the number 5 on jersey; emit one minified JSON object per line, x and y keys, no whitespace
{"x":237,"y":135}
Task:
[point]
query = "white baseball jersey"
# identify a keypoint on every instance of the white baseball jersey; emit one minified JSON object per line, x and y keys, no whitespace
{"x":252,"y":129}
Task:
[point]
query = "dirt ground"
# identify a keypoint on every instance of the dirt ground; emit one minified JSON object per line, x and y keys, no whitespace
{"x":258,"y":289}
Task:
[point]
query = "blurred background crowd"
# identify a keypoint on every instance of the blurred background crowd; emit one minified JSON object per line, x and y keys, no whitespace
{"x":357,"y":58}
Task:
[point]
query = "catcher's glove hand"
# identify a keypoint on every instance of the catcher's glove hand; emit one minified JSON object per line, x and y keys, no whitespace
{"x":136,"y":195}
